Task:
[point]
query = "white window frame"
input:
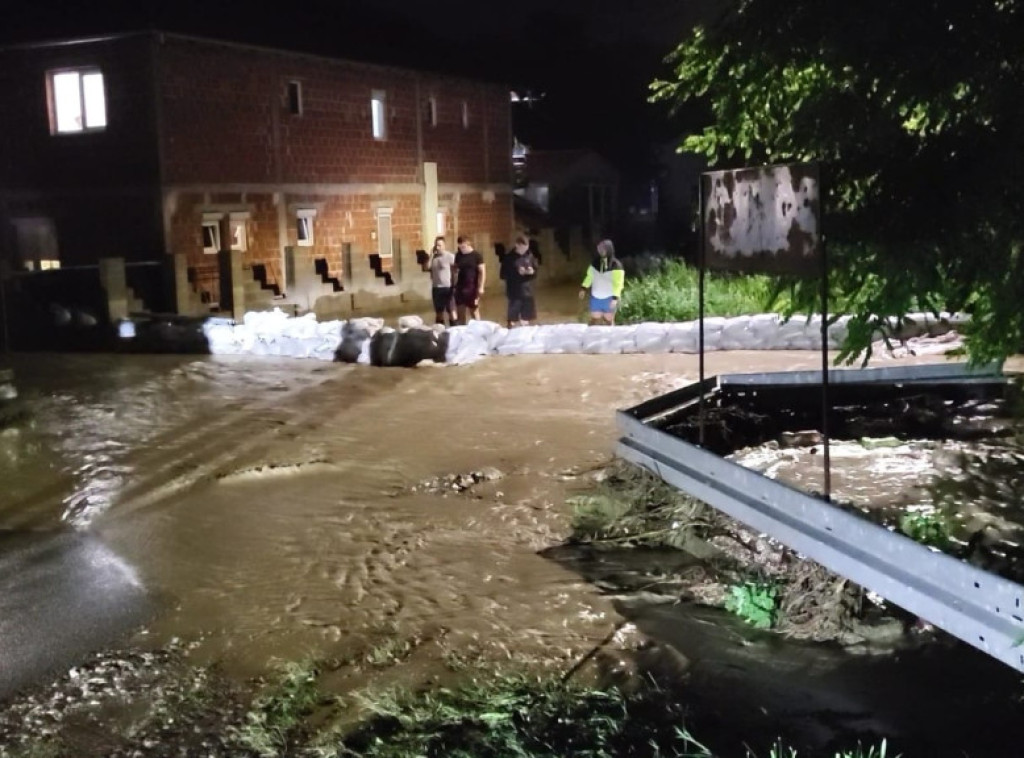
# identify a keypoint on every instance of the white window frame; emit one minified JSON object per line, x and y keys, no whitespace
{"x":383,"y":213}
{"x":91,"y":113}
{"x":379,"y":114}
{"x":465,"y":114}
{"x":211,"y":221}
{"x":441,"y":222}
{"x":305,"y":235}
{"x":299,"y":106}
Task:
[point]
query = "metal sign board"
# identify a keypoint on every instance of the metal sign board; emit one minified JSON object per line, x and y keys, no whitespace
{"x":763,"y":219}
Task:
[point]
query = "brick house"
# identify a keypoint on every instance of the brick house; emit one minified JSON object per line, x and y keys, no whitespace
{"x":318,"y":178}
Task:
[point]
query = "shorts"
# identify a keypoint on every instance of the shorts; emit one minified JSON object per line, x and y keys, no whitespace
{"x":442,"y":297}
{"x":467,"y":298}
{"x":522,"y":308}
{"x":601,"y":304}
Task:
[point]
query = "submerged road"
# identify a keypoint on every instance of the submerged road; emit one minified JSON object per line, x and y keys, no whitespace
{"x":62,"y":595}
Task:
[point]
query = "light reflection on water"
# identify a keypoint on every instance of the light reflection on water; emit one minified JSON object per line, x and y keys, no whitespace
{"x":90,"y":416}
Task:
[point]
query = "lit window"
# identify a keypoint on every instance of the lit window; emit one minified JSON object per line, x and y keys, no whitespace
{"x":378,"y":114}
{"x":385,"y":242}
{"x":295,"y":98}
{"x":432,"y":111}
{"x":211,"y":236}
{"x":78,"y":102}
{"x":46,"y":265}
{"x":442,"y":222}
{"x":465,"y":115}
{"x":304,"y":227}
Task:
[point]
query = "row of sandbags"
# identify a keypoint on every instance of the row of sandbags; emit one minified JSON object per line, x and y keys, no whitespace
{"x":368,"y":341}
{"x":766,"y":331}
{"x":360,"y":340}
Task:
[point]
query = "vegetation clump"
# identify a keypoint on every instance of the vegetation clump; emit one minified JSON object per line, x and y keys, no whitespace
{"x":756,"y":578}
{"x":669,"y":293}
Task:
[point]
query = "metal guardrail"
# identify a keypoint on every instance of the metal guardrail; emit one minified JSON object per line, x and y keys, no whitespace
{"x":980,"y":608}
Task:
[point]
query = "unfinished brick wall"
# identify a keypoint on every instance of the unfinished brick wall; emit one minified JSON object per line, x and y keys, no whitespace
{"x":226,"y":120}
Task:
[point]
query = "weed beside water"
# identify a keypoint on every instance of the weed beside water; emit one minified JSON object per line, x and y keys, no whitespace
{"x":669,"y":293}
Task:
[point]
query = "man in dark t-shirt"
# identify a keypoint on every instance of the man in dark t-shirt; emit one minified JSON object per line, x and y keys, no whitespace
{"x":470,"y":276}
{"x":518,"y":270}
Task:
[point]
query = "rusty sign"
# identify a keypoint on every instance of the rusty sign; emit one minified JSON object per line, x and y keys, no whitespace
{"x":763,"y":220}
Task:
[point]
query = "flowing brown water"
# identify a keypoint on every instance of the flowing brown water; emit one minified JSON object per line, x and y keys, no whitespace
{"x":267,"y":505}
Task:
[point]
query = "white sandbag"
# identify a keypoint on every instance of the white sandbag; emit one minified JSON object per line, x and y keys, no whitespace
{"x":801,"y":343}
{"x":517,"y":340}
{"x":763,"y":326}
{"x":365,"y":324}
{"x":564,"y":338}
{"x":483,"y":329}
{"x":652,"y":338}
{"x":471,"y":348}
{"x":736,"y":329}
{"x":712,"y":325}
{"x":497,"y":339}
{"x":271,"y":323}
{"x":325,"y":328}
{"x":300,"y":328}
{"x":625,"y":339}
{"x":601,"y":340}
{"x":682,"y":338}
{"x":745,"y":340}
{"x":409,"y":322}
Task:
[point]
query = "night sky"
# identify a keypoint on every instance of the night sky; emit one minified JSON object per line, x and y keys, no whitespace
{"x":593,"y":59}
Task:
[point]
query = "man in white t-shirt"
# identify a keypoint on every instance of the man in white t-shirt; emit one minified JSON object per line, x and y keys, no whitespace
{"x":440,"y":266}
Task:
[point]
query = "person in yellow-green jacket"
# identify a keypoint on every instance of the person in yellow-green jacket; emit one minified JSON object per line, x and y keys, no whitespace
{"x":605,"y":279}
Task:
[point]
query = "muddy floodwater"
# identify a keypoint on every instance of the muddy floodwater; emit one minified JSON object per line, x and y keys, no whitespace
{"x":275,"y":509}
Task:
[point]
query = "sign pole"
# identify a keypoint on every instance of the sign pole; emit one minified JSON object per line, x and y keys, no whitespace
{"x":700,"y":309}
{"x":824,"y":346}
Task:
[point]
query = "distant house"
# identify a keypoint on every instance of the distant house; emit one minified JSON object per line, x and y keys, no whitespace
{"x":573,"y":187}
{"x":150,"y":145}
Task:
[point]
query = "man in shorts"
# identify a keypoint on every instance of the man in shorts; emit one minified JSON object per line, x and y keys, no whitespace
{"x":519,"y":269}
{"x":605,"y":279}
{"x":470,"y":277}
{"x":442,"y":267}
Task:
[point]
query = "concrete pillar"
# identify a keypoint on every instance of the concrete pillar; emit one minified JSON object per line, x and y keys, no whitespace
{"x":114,"y":281}
{"x":232,"y":283}
{"x":428,"y":223}
{"x":361,"y":276}
{"x":304,"y":285}
{"x":181,"y":288}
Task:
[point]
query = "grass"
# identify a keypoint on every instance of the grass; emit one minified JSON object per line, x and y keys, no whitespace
{"x":275,"y":722}
{"x":490,"y":714}
{"x":871,"y":751}
{"x":670,"y":294}
{"x":521,"y":716}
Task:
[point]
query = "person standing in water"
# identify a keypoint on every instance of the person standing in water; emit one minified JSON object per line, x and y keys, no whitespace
{"x":519,"y":269}
{"x":442,"y":268}
{"x":605,"y":279}
{"x":470,"y":277}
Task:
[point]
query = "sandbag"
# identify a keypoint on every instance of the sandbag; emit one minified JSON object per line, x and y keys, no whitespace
{"x":564,"y":338}
{"x":652,"y":338}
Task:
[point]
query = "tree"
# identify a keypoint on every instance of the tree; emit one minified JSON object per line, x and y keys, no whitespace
{"x":915,"y":111}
